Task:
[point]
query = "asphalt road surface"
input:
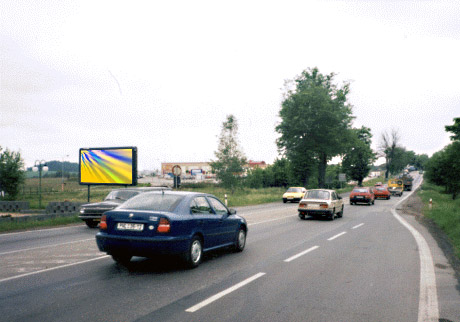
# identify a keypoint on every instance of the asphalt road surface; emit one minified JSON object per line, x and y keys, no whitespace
{"x":365,"y":266}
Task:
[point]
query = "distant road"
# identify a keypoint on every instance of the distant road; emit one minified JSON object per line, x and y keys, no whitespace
{"x":362,"y":267}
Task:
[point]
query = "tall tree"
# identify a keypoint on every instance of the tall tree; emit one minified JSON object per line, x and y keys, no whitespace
{"x":388,"y":144}
{"x":455,"y":129}
{"x":443,"y":168}
{"x":357,"y":162}
{"x":12,"y":174}
{"x":315,"y":123}
{"x":401,"y":158}
{"x":230,"y":160}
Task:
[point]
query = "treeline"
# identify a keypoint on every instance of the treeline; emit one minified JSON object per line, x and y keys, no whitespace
{"x":282,"y":174}
{"x":316,"y":126}
{"x":443,"y":168}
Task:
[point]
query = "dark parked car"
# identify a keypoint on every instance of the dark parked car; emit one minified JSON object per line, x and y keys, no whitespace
{"x":91,"y":213}
{"x":173,"y":223}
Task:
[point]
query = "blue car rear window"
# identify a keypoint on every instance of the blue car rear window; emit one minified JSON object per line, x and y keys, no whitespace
{"x":152,"y":201}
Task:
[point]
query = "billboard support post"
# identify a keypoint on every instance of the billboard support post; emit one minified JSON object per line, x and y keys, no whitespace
{"x":88,"y":191}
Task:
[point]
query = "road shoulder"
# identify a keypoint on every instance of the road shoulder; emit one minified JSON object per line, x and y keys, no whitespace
{"x":447,"y":265}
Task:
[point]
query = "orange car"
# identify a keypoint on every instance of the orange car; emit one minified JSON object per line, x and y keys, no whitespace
{"x":381,"y":192}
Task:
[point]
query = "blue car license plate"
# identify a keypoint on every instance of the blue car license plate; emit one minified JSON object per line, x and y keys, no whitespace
{"x":130,"y":226}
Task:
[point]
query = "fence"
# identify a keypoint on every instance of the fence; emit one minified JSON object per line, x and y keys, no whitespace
{"x":36,"y":190}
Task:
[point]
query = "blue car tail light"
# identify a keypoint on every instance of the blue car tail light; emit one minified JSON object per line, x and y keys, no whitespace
{"x":164,"y":226}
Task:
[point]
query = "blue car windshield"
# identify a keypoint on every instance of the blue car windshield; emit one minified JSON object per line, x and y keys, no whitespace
{"x":153,"y":201}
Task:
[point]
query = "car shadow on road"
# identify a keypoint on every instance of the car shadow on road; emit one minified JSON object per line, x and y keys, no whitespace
{"x":310,"y":218}
{"x":162,"y":264}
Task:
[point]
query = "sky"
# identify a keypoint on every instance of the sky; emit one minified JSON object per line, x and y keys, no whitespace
{"x":163,"y":75}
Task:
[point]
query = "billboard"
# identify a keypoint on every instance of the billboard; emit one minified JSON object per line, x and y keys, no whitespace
{"x":108,"y":166}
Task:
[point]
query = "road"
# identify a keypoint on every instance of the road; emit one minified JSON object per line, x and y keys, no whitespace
{"x":362,"y":267}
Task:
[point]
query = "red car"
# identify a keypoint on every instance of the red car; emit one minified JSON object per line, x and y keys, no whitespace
{"x":362,"y":195}
{"x":382,"y":192}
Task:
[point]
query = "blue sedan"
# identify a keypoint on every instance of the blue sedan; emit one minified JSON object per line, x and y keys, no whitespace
{"x":170,"y":222}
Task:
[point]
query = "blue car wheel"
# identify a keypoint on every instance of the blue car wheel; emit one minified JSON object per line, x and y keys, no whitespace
{"x":240,"y":240}
{"x":195,"y":253}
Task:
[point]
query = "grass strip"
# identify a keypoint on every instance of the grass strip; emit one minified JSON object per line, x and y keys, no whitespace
{"x":31,"y":224}
{"x":445,"y":212}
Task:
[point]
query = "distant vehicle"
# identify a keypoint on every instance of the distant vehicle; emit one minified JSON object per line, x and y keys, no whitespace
{"x":170,"y":222}
{"x":396,"y":187}
{"x":294,"y":194}
{"x":407,"y":181}
{"x":91,"y":213}
{"x":321,"y":202}
{"x":421,"y":172}
{"x":381,"y":192}
{"x":362,"y":195}
{"x":412,"y":168}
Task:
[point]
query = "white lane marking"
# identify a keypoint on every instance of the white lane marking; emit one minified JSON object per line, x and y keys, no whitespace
{"x":428,"y":302}
{"x":338,"y":235}
{"x":32,"y":248}
{"x":52,"y":269}
{"x":223,"y":293}
{"x":301,"y":254}
{"x":357,"y":226}
{"x":265,"y":221}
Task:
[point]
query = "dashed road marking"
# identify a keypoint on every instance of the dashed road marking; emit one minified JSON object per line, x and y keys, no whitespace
{"x":337,"y":236}
{"x":301,"y":254}
{"x":223,"y":293}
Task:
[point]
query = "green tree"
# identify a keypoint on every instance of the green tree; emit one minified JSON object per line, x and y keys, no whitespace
{"x":400,"y":160}
{"x":455,"y":129}
{"x":421,"y":160}
{"x":315,"y":123}
{"x":256,"y":178}
{"x":358,"y":161}
{"x":230,"y":160}
{"x":282,"y":173}
{"x":12,"y":174}
{"x":443,"y":168}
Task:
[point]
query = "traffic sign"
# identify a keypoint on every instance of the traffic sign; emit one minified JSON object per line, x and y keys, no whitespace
{"x":177,"y":170}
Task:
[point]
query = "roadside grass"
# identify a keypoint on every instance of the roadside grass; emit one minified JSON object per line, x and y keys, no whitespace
{"x":52,"y":192}
{"x":32,"y":224}
{"x":445,"y":212}
{"x":240,"y":197}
